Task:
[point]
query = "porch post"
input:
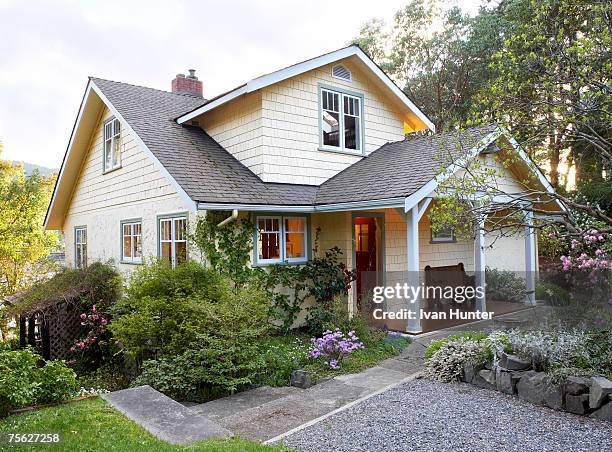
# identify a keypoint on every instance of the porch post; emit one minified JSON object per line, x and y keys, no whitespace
{"x":412,"y":244}
{"x":530,"y":260}
{"x":479,"y":265}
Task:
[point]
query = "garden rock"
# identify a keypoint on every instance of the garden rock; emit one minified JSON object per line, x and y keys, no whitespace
{"x":485,"y":379}
{"x":513,"y":362}
{"x":470,"y":371}
{"x":503,"y":381}
{"x":301,"y":379}
{"x":576,"y":385}
{"x":600,"y":389}
{"x":605,"y":412}
{"x":577,"y":404}
{"x":532,"y":387}
{"x":553,"y":397}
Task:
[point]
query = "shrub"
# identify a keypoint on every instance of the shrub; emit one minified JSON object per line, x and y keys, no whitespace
{"x":110,"y":377}
{"x":553,"y":294}
{"x":57,"y":382}
{"x":223,"y":355}
{"x":446,"y":363}
{"x":25,"y":381}
{"x":163,"y":309}
{"x":333,"y":347}
{"x":504,"y":285}
{"x":434,"y":346}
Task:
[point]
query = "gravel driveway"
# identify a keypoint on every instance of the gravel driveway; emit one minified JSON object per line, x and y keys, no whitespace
{"x":428,"y":416}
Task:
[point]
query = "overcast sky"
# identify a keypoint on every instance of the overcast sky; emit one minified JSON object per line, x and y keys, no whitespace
{"x":48,"y":48}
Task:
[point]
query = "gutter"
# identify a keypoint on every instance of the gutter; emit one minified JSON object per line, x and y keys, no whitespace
{"x":229,"y":219}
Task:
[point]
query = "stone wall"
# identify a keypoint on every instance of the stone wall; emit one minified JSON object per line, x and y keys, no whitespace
{"x":579,"y":395}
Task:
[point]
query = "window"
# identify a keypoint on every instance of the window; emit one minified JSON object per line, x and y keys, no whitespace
{"x":341,"y":121}
{"x":173,"y":239}
{"x":443,"y":235}
{"x":112,"y":145}
{"x":80,"y":247}
{"x":281,"y":239}
{"x":131,"y":241}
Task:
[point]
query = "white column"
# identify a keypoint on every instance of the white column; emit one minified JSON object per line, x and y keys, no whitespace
{"x":530,"y":260}
{"x":479,"y":263}
{"x":412,"y":244}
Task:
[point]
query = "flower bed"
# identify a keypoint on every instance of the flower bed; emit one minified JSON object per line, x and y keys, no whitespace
{"x":567,"y":371}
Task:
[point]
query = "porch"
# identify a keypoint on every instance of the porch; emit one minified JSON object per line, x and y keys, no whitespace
{"x":390,"y":247}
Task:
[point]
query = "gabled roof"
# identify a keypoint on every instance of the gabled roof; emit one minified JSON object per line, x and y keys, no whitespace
{"x":263,"y":81}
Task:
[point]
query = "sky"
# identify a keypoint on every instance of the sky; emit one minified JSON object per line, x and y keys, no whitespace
{"x":49,"y":48}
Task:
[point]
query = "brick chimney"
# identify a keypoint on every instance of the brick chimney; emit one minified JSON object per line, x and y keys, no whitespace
{"x":187,"y":85}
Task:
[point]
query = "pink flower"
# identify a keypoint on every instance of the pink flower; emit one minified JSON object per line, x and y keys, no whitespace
{"x":104,"y":321}
{"x":93,"y":308}
{"x":598,"y":252}
{"x":83,"y":316}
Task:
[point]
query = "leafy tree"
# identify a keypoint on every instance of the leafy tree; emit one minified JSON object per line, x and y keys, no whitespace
{"x":23,"y":243}
{"x":440,"y":55}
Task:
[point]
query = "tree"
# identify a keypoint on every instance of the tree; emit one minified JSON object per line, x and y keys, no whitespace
{"x":440,"y":55}
{"x":24,"y":246}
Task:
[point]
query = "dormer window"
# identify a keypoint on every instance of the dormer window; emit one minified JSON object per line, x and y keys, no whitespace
{"x":341,"y":121}
{"x":112,"y":145}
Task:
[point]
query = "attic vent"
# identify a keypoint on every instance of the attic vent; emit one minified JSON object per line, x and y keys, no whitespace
{"x":340,"y":71}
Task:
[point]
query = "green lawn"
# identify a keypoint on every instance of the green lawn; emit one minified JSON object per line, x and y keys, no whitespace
{"x":93,"y":425}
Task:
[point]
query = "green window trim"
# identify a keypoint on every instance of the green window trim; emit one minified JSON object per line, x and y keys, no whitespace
{"x":80,"y":244}
{"x":132,"y":260}
{"x":173,"y":241}
{"x":282,"y":260}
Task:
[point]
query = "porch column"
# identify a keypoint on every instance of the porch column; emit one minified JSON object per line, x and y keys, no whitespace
{"x":412,"y":244}
{"x":479,"y":263}
{"x":530,"y":260}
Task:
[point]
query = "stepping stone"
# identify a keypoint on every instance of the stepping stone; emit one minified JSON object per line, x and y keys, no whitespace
{"x":163,"y":417}
{"x":374,"y":378}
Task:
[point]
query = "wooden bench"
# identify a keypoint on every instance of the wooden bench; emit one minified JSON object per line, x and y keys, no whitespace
{"x":447,"y":276}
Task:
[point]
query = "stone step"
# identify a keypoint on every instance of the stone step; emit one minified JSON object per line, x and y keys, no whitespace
{"x":163,"y":417}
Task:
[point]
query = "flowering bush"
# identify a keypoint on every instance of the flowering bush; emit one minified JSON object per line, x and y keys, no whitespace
{"x":446,"y":364}
{"x":333,"y":347}
{"x":87,"y":352}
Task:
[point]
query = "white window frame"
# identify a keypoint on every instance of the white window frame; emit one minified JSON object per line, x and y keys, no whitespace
{"x":172,"y":219}
{"x":79,"y":245}
{"x":435,"y":238}
{"x":341,"y":132}
{"x":131,"y":259}
{"x":108,"y":164}
{"x":282,"y":259}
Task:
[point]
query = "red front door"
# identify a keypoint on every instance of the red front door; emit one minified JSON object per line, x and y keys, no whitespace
{"x":365,"y":256}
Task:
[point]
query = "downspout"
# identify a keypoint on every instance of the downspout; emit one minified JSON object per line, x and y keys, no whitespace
{"x":232,"y":217}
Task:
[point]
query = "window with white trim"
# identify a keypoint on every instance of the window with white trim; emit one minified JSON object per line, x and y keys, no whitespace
{"x":173,"y":239}
{"x":112,"y":145}
{"x":443,"y":235}
{"x":80,"y":247}
{"x":341,"y":121}
{"x":131,"y":242}
{"x":281,"y":239}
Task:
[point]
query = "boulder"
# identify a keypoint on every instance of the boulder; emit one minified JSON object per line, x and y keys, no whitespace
{"x":470,"y":371}
{"x":532,"y":387}
{"x":577,"y":404}
{"x":553,"y":396}
{"x":605,"y":412}
{"x":503,"y":381}
{"x":600,"y":389}
{"x":485,"y":379}
{"x":513,"y":362}
{"x":576,"y":385}
{"x":301,"y":379}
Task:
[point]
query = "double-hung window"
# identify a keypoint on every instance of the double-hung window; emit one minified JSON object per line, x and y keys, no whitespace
{"x":341,"y":121}
{"x":281,"y":239}
{"x":112,"y":145}
{"x":173,"y":239}
{"x":80,"y":247}
{"x":131,"y":242}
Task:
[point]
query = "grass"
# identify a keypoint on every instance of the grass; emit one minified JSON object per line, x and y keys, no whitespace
{"x":93,"y":425}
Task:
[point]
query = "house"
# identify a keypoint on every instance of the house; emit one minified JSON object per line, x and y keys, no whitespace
{"x":320,"y":144}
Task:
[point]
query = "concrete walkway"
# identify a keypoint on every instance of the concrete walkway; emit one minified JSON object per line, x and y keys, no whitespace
{"x":268,"y":413}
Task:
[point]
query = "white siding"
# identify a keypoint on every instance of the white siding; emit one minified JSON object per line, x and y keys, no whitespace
{"x":101,"y":201}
